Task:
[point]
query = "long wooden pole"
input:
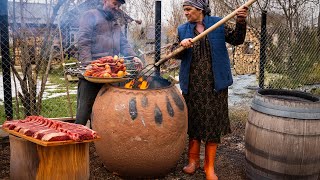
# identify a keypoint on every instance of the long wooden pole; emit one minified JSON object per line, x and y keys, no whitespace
{"x":206,"y":32}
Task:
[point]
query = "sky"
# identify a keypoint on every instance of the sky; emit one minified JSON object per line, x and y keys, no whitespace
{"x":164,"y":4}
{"x":166,"y":10}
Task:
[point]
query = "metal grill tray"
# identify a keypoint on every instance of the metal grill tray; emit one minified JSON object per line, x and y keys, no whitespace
{"x":106,"y":80}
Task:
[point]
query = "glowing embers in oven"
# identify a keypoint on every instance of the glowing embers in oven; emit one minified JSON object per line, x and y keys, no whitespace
{"x":151,"y":82}
{"x":137,"y":83}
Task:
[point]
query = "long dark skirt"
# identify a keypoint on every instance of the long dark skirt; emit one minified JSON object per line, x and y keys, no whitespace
{"x":207,"y":110}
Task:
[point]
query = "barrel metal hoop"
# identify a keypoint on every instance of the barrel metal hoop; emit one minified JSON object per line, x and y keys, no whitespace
{"x":283,"y":133}
{"x":269,"y":175}
{"x":281,"y":159}
{"x":283,"y":111}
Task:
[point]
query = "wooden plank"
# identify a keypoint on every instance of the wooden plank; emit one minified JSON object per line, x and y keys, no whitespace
{"x":68,"y":162}
{"x":47,"y":143}
{"x":3,"y":133}
{"x":72,"y":79}
{"x":64,"y":119}
{"x":30,"y":161}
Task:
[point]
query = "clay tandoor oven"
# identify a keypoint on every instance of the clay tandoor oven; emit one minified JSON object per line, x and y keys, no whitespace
{"x":143,"y":132}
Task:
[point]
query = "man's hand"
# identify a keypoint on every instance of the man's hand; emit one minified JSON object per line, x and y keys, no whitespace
{"x":242,"y":14}
{"x":138,"y":63}
{"x":138,"y":21}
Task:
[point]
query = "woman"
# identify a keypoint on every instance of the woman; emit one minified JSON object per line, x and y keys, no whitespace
{"x":205,"y":75}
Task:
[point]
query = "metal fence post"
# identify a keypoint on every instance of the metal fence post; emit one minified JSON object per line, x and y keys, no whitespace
{"x":157,"y":35}
{"x":126,"y":30}
{"x":6,"y":62}
{"x":263,"y":48}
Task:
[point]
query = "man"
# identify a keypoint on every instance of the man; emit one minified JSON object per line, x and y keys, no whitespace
{"x":99,"y":35}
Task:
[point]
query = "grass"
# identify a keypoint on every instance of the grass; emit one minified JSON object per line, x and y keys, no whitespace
{"x":59,"y":80}
{"x":2,"y":114}
{"x":238,"y":114}
{"x":60,"y":105}
{"x":51,"y":108}
{"x":315,"y":91}
{"x":57,"y":91}
{"x":293,"y":80}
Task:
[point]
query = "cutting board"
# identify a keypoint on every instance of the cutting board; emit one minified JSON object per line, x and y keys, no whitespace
{"x":46,"y":143}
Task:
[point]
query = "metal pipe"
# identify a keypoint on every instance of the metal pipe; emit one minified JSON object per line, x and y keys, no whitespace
{"x":6,"y":62}
{"x":263,"y":48}
{"x":157,"y":35}
{"x":126,"y":30}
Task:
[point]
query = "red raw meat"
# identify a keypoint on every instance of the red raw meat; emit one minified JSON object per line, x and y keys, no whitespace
{"x":28,"y":128}
{"x":50,"y":130}
{"x":43,"y":132}
{"x":78,"y":132}
{"x":31,"y":130}
{"x":55,"y":136}
{"x":10,"y":124}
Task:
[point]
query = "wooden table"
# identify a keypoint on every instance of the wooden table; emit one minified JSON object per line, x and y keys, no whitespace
{"x":32,"y":159}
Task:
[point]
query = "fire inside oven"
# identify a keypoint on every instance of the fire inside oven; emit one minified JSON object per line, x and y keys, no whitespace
{"x":145,"y":82}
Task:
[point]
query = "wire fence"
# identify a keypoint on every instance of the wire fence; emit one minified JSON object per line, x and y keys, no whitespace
{"x":292,"y":56}
{"x":43,"y":52}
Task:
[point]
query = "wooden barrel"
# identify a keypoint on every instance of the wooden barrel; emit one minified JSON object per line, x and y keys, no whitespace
{"x":282,"y":136}
{"x":30,"y":161}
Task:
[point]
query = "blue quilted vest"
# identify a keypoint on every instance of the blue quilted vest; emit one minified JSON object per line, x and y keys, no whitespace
{"x":220,"y":58}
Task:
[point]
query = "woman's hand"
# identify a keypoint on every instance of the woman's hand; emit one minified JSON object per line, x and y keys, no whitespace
{"x":138,"y":63}
{"x":242,"y":14}
{"x":187,"y":43}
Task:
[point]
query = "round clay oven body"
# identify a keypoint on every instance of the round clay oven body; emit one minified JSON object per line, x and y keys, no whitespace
{"x":143,"y":132}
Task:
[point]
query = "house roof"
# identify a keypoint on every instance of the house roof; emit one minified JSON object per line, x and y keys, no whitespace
{"x":32,"y":13}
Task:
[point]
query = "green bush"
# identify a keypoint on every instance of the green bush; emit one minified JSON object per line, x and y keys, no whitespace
{"x":297,"y":62}
{"x":315,"y":91}
{"x":284,"y":82}
{"x":2,"y":114}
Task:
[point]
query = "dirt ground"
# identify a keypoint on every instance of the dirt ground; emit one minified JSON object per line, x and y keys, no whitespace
{"x":230,"y":160}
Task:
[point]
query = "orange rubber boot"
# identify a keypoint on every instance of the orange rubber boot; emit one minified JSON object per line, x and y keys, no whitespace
{"x":210,"y":155}
{"x":194,"y":157}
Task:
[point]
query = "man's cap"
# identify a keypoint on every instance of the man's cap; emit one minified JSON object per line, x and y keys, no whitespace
{"x":122,"y":1}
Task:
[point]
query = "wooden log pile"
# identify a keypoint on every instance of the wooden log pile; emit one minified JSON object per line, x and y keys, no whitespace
{"x":245,"y":57}
{"x":33,"y":44}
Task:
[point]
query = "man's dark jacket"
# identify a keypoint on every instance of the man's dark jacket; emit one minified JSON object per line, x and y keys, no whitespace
{"x":101,"y":37}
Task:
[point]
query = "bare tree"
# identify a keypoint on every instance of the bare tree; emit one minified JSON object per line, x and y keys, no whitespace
{"x":176,"y":18}
{"x":145,"y":11}
{"x":319,"y":21}
{"x":221,"y":7}
{"x":293,"y":10}
{"x":34,"y":67}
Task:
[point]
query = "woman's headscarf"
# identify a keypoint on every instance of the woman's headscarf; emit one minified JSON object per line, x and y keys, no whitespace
{"x":199,"y":4}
